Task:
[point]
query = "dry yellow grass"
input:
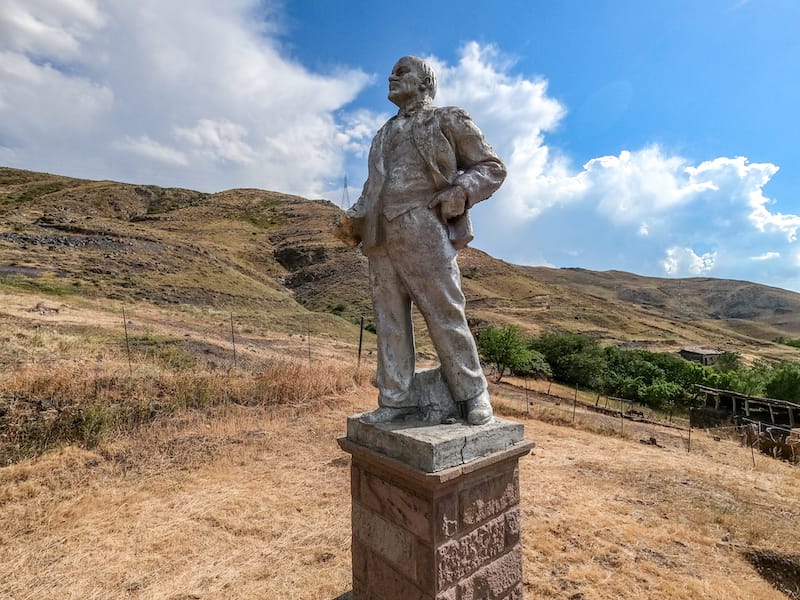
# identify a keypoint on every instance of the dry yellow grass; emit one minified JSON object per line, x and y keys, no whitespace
{"x":92,"y":331}
{"x":65,"y":365}
{"x":233,"y":503}
{"x":44,"y":406}
{"x":611,"y":518}
{"x":237,"y":502}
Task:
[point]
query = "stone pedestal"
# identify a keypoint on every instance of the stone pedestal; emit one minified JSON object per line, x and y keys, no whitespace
{"x":435,"y":510}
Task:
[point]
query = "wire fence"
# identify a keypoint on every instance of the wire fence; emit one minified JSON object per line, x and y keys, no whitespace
{"x":571,"y":406}
{"x":224,"y":341}
{"x":533,"y":397}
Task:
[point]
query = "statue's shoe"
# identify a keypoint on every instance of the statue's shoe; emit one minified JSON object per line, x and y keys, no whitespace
{"x":386,"y":414}
{"x":479,"y":410}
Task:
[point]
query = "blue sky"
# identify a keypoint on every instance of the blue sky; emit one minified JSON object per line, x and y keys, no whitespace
{"x":654,"y":137}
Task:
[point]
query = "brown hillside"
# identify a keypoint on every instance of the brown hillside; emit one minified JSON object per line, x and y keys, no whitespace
{"x":271,"y":258}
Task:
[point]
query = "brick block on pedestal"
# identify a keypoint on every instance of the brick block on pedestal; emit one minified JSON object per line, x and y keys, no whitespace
{"x":430,"y":523}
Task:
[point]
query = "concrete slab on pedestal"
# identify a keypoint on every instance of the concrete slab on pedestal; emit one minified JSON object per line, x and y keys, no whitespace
{"x":431,"y":448}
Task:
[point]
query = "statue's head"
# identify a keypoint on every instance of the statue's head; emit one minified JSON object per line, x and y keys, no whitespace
{"x":412,"y":80}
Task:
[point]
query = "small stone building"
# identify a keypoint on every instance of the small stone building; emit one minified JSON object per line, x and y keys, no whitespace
{"x":704,"y":356}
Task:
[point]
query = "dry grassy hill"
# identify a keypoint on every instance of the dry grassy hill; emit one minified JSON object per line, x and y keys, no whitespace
{"x":166,"y":247}
{"x":271,"y":258}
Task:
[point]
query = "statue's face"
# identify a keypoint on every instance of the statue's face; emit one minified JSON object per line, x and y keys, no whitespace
{"x":406,"y":82}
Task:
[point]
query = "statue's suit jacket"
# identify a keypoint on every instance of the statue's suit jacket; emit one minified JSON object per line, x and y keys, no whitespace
{"x":456,"y":153}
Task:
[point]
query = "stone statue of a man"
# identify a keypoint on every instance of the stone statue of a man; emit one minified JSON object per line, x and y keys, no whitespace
{"x":427,"y":167}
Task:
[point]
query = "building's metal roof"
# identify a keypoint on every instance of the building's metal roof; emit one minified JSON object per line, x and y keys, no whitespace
{"x":704,"y":351}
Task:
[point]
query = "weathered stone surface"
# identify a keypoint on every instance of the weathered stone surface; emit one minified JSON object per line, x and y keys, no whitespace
{"x":432,"y":448}
{"x":384,"y":538}
{"x":432,"y":395}
{"x":426,"y":567}
{"x":460,"y":557}
{"x":410,"y":511}
{"x":495,"y":580}
{"x":384,"y":582}
{"x":450,"y":594}
{"x":360,"y":590}
{"x":489,"y":497}
{"x":446,"y":524}
{"x":359,"y":556}
{"x":513,"y":526}
{"x":355,"y":482}
{"x":515,"y":594}
{"x":452,"y":534}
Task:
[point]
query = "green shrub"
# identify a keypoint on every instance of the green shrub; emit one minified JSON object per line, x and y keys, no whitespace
{"x":505,"y":349}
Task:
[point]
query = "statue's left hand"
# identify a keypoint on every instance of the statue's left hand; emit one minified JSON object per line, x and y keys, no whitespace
{"x":452,"y":202}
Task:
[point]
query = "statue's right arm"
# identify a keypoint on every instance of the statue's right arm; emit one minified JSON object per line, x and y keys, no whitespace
{"x":348,"y":226}
{"x":347,"y":229}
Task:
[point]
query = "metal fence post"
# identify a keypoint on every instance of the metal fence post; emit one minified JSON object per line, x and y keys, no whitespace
{"x":360,"y":342}
{"x":127,"y":342}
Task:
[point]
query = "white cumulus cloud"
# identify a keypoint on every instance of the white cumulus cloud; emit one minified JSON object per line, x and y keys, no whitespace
{"x":358,"y":129}
{"x":54,"y":28}
{"x":514,"y":112}
{"x":219,"y":140}
{"x":645,"y":209}
{"x":637,"y":185}
{"x":39,"y":102}
{"x":766,"y":256}
{"x":684,"y":261}
{"x":157,"y":92}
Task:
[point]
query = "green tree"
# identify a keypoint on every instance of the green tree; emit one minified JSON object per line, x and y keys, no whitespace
{"x":688,"y":373}
{"x":638,"y":364}
{"x":663,"y":395}
{"x":783,"y":382}
{"x":746,"y":380}
{"x":537,"y":367}
{"x":575,"y":358}
{"x":630,"y":388}
{"x":504,"y":349}
{"x":728,"y":361}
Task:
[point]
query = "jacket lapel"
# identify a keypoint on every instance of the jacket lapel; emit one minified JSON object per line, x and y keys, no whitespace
{"x":423,"y":132}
